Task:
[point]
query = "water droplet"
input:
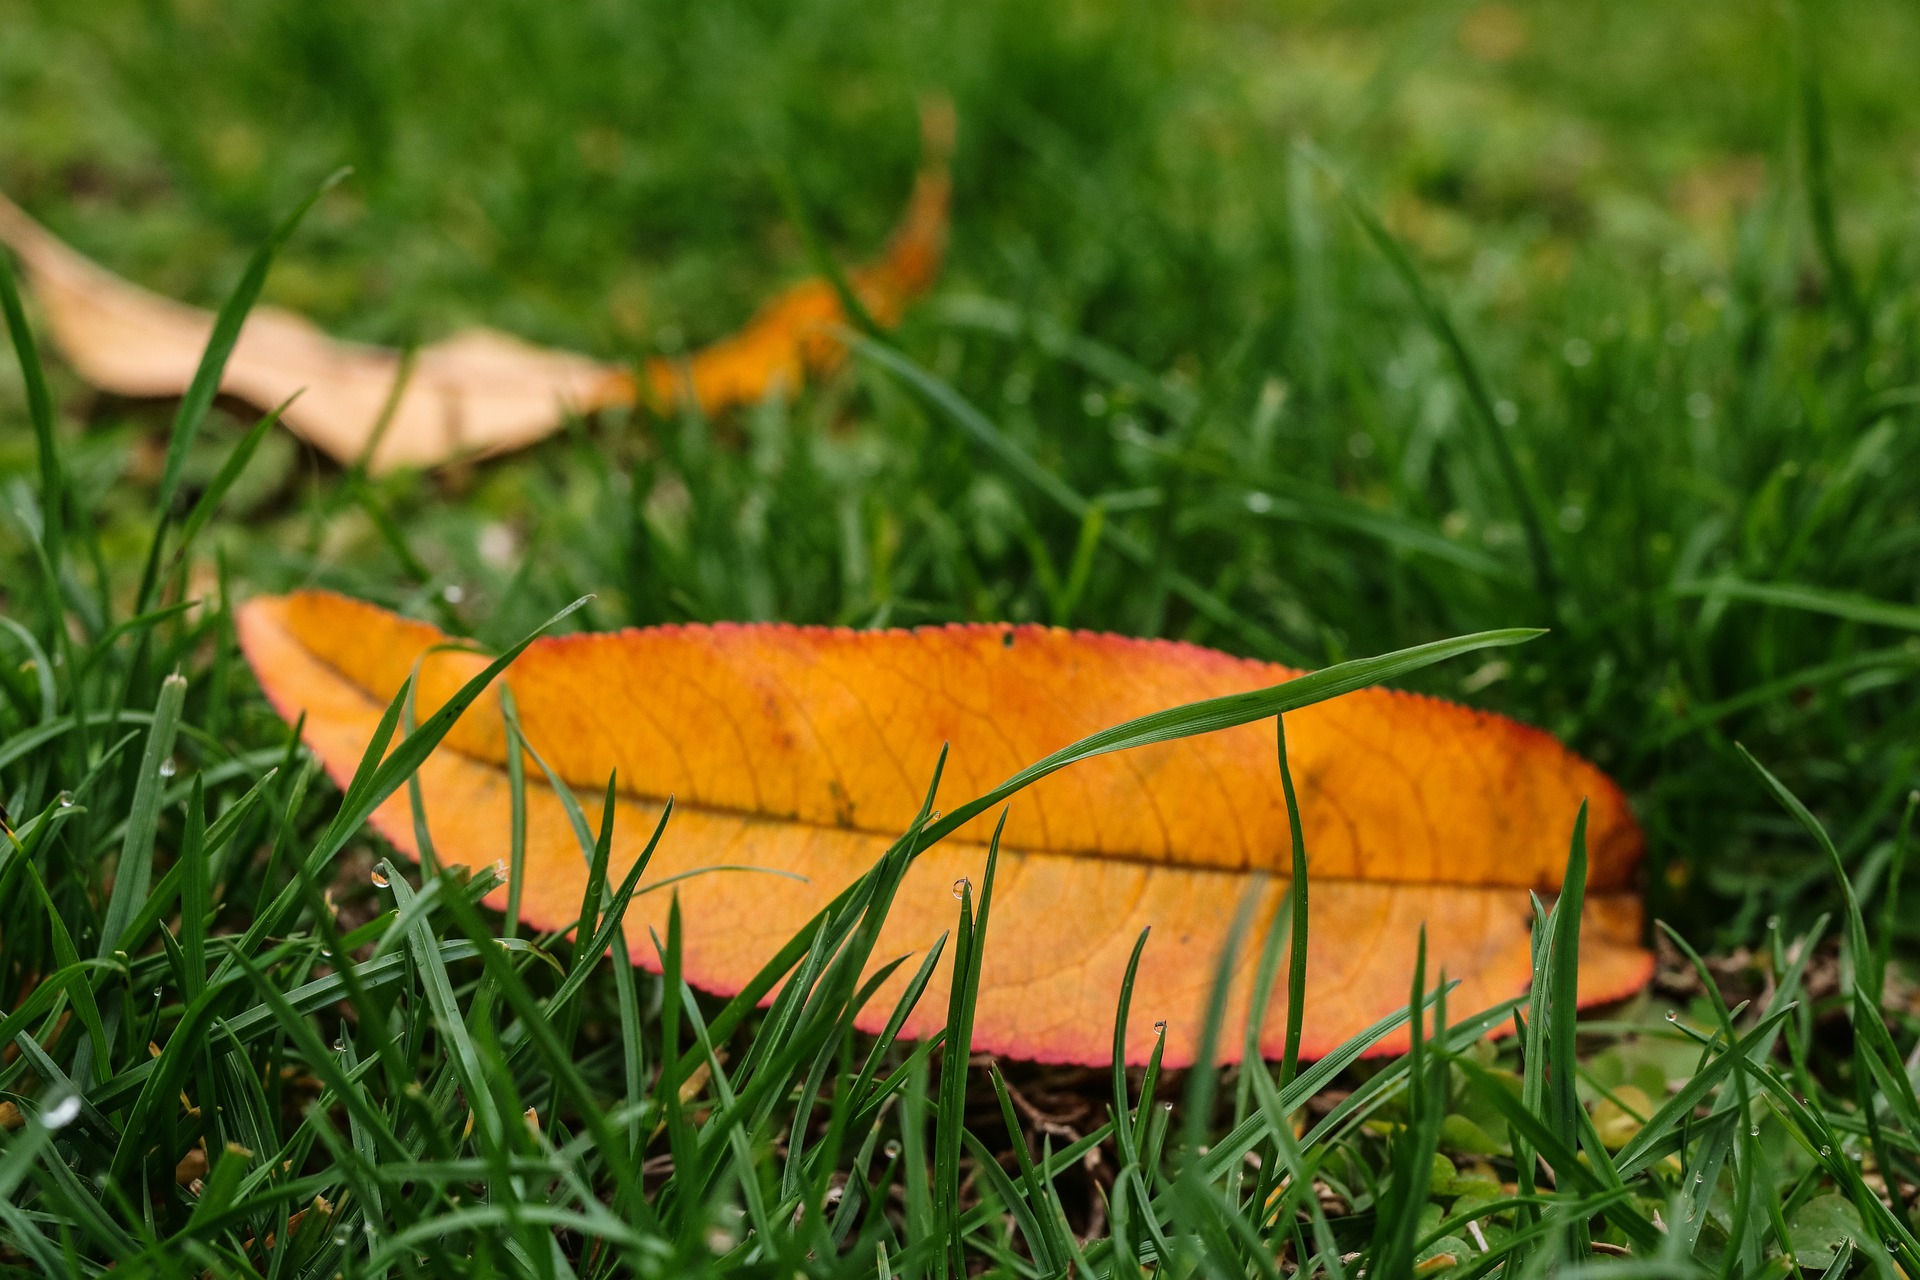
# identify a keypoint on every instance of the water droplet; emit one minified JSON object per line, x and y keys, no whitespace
{"x":158,"y":992}
{"x":379,"y":878}
{"x":366,"y":1229}
{"x":1699,"y":1177}
{"x":1754,"y":1132}
{"x":62,"y":1113}
{"x":1672,"y":1016}
{"x":1826,"y":1151}
{"x":1773,"y":922}
{"x":1160,"y":1027}
{"x":340,"y":1236}
{"x":168,"y":768}
{"x":326,"y":954}
{"x":1893,"y":1246}
{"x":891,"y":1149}
{"x":64,"y":799}
{"x":961,"y":886}
{"x":339,"y":1044}
{"x":453,"y":593}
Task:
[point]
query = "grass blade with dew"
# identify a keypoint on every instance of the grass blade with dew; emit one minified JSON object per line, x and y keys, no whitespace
{"x":134,"y":874}
{"x":950,"y":1122}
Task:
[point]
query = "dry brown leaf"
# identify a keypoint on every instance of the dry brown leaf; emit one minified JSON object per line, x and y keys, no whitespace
{"x":479,"y":391}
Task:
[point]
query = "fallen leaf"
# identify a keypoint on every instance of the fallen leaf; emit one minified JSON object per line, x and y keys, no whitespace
{"x":807,"y":750}
{"x":479,"y":391}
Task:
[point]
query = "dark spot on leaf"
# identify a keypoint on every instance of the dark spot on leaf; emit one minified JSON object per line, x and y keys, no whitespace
{"x":842,"y":804}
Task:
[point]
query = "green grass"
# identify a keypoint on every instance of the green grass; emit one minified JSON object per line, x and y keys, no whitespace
{"x":1314,"y":335}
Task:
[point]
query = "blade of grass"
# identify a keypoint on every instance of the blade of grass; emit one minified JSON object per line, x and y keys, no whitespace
{"x":206,"y":379}
{"x":1546,"y":574}
{"x":53,"y":502}
{"x":134,"y":873}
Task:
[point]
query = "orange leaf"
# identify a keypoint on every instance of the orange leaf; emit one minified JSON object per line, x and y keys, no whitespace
{"x":808,"y":750}
{"x":793,"y":333}
{"x":479,"y":391}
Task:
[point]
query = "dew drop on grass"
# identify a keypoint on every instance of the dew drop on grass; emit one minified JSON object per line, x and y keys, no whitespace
{"x":1160,"y":1027}
{"x":168,"y":768}
{"x":64,"y":799}
{"x":1826,"y":1151}
{"x":62,"y":1113}
{"x":379,"y":878}
{"x":1754,"y":1132}
{"x":961,"y":886}
{"x":340,"y":1237}
{"x":1672,"y":1016}
{"x":891,"y":1149}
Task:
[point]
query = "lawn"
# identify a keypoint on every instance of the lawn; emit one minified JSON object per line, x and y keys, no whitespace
{"x":1310,"y":334}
